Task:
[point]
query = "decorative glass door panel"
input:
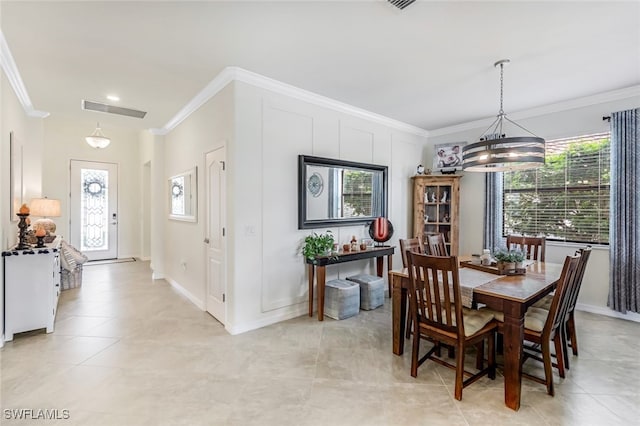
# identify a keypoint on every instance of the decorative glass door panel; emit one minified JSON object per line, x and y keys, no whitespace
{"x":94,"y":225}
{"x":94,"y":207}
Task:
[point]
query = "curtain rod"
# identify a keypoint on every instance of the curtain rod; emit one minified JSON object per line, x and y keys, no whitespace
{"x":606,"y":118}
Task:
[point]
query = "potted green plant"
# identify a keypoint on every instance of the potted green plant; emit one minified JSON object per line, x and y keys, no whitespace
{"x":508,"y":260}
{"x":318,"y":245}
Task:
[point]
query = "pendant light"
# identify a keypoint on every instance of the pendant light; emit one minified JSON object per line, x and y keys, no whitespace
{"x":98,"y":139}
{"x":495,"y":152}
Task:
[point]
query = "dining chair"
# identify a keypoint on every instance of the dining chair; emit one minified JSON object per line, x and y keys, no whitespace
{"x":542,"y":326}
{"x":413,"y":245}
{"x":569,"y":329}
{"x":533,"y":247}
{"x":436,"y":245}
{"x":436,"y":307}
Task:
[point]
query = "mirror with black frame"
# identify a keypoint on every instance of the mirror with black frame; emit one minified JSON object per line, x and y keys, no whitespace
{"x":339,"y":193}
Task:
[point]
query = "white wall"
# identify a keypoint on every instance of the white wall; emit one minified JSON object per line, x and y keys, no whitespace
{"x":573,"y":122}
{"x":270,"y":282}
{"x":64,"y":141}
{"x":208,"y":128}
{"x":264,"y":133}
{"x":27,"y":134}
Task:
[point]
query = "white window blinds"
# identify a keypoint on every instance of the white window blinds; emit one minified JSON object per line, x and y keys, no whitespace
{"x":568,"y":198}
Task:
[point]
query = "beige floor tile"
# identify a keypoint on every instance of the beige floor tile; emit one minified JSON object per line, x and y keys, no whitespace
{"x":128,"y":350}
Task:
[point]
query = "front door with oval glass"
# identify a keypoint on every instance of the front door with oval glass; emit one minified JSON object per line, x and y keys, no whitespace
{"x":94,"y":209}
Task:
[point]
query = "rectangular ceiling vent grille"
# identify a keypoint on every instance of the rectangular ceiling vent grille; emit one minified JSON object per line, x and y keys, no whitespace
{"x":401,"y":4}
{"x":96,"y":106}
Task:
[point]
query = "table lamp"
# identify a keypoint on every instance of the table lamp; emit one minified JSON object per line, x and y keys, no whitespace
{"x":45,"y":208}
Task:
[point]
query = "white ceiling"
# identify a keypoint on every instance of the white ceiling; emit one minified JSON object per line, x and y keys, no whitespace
{"x":430,"y":65}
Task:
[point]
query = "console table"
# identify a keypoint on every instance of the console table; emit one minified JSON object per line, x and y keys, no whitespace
{"x":319,"y":264}
{"x":31,"y":288}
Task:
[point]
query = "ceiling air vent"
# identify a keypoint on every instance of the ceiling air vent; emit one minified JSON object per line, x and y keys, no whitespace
{"x":96,"y":106}
{"x":401,"y":4}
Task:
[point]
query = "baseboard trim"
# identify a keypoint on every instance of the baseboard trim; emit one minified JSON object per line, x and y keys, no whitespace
{"x":294,"y":311}
{"x":186,"y":293}
{"x":630,"y":316}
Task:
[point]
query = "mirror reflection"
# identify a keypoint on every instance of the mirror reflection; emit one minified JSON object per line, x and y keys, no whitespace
{"x":182,"y":196}
{"x":335,"y":192}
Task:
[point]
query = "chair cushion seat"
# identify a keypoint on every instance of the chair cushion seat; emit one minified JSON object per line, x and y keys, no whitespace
{"x":534,"y":319}
{"x":475,"y":320}
{"x":544,"y":303}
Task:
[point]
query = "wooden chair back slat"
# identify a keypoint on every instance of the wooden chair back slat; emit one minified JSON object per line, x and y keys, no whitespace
{"x":561,"y":298}
{"x":435,"y":282}
{"x":436,"y":245}
{"x":410,"y":244}
{"x":533,"y":247}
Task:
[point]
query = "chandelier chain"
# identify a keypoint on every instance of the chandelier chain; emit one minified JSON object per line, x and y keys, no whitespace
{"x":501,"y":112}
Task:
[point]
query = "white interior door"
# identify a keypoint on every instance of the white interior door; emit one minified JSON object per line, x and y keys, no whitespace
{"x":93,"y":219}
{"x":215,"y":238}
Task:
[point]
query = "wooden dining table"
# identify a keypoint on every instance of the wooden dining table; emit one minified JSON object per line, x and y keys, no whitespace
{"x":510,"y":294}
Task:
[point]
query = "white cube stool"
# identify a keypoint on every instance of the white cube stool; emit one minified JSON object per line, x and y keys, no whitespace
{"x":371,"y":290}
{"x":341,"y":299}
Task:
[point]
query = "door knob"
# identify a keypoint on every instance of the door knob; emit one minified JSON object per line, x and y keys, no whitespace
{"x":206,"y":241}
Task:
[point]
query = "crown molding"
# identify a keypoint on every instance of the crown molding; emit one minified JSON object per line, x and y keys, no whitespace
{"x":614,"y":95}
{"x":230,"y":74}
{"x":13,"y":75}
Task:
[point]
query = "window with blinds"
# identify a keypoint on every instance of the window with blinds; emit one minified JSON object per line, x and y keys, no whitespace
{"x":568,"y":198}
{"x":357,"y":188}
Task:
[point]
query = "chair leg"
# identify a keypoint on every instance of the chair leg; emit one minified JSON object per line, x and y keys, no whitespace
{"x":571,"y":325}
{"x":558,"y":341}
{"x":414,"y":354}
{"x":409,"y":324}
{"x":492,"y":356}
{"x":565,"y":346}
{"x":500,"y":344}
{"x":480,"y":355}
{"x":459,"y":372}
{"x":546,"y":358}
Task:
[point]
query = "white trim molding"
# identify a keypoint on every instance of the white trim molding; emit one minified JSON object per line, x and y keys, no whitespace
{"x":614,"y":95}
{"x":293,"y":311}
{"x":186,"y":293}
{"x":230,"y":74}
{"x":631,"y":316}
{"x":13,"y":75}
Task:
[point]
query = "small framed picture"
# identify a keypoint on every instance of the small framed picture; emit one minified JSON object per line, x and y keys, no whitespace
{"x":447,"y":157}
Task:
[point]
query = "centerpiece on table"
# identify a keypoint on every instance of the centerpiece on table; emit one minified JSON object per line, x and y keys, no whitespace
{"x":510,"y":262}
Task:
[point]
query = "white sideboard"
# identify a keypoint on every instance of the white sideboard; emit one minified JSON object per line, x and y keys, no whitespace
{"x":31,"y":288}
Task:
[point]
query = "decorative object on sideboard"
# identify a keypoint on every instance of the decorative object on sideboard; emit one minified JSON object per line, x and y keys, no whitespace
{"x":45,"y":208}
{"x":381,"y":230}
{"x":497,"y":153}
{"x":23,"y":214}
{"x":40,"y":234}
{"x":420,"y":169}
{"x":318,"y":245}
{"x":97,"y":139}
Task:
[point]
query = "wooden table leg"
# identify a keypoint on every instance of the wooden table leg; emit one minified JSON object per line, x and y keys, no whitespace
{"x":311,"y":271}
{"x":399,"y":311}
{"x":321,"y":282}
{"x":513,"y":340}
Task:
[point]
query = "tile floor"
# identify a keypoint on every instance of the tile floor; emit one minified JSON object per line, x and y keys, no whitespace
{"x":131,"y":351}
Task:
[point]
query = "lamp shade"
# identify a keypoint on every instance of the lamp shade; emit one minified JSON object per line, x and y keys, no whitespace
{"x":45,"y":207}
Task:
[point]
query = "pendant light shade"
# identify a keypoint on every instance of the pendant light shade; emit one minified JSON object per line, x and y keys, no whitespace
{"x":97,"y":139}
{"x":495,"y":152}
